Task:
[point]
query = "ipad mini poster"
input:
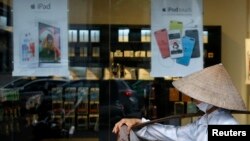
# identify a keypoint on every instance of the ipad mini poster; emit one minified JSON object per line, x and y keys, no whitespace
{"x":40,"y":38}
{"x":176,"y":45}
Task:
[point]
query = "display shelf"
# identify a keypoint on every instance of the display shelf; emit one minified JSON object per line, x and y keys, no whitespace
{"x":130,"y":45}
{"x":88,"y":45}
{"x":126,"y":45}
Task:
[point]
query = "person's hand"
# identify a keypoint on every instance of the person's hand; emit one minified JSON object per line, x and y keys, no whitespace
{"x":130,"y":122}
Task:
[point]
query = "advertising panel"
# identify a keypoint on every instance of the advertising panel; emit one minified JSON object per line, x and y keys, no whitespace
{"x":176,"y":45}
{"x":40,"y":37}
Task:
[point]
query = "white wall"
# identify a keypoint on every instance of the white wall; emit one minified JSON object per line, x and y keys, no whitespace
{"x":232,"y":16}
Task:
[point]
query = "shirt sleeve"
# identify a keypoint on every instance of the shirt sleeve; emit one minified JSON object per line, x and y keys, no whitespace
{"x":167,"y":132}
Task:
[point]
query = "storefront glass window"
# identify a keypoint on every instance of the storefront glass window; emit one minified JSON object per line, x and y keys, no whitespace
{"x":108,"y":47}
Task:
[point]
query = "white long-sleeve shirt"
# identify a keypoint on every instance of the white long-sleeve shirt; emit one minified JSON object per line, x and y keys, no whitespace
{"x":195,"y":131}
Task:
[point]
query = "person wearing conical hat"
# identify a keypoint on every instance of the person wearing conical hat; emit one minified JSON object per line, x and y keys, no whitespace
{"x":213,"y":92}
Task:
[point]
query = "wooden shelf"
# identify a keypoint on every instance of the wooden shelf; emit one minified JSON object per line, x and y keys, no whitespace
{"x":6,"y":28}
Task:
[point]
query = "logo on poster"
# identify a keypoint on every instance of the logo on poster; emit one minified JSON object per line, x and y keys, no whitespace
{"x":41,"y":6}
{"x":178,"y":9}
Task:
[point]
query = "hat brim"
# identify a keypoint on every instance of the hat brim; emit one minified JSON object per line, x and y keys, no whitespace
{"x":212,"y":85}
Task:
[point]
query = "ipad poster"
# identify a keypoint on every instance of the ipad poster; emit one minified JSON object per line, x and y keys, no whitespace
{"x":176,"y":45}
{"x":40,"y":38}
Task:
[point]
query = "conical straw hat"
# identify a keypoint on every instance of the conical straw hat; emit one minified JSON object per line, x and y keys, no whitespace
{"x":212,"y":85}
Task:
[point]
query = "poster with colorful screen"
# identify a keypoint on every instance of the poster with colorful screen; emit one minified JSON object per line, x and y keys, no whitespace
{"x":40,"y":38}
{"x":176,"y":45}
{"x":49,"y":44}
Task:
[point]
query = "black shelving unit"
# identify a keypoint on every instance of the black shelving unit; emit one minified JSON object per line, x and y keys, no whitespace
{"x":88,"y":45}
{"x":212,"y":45}
{"x":135,"y":52}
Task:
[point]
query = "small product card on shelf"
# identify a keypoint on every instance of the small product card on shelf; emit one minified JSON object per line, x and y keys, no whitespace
{"x":145,"y":35}
{"x":95,"y":36}
{"x":143,"y":53}
{"x":128,"y":53}
{"x":129,"y":73}
{"x":148,"y":36}
{"x":123,"y":35}
{"x":83,"y":35}
{"x":72,"y":36}
{"x":118,"y":53}
{"x":120,"y":35}
{"x":126,"y":35}
{"x":205,"y":37}
{"x":83,"y":52}
{"x":95,"y":52}
{"x":138,"y":53}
